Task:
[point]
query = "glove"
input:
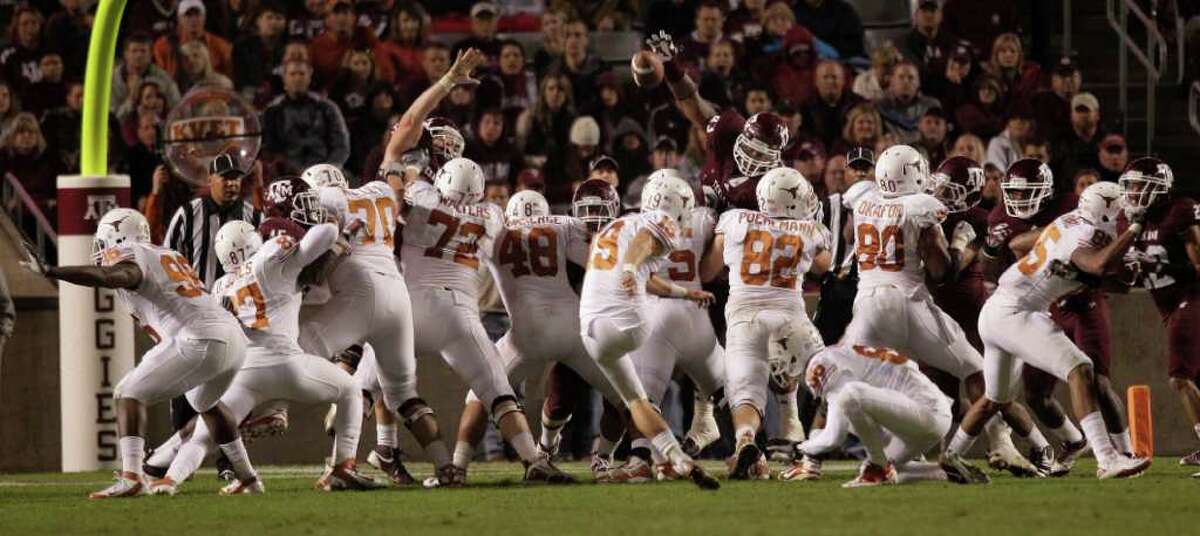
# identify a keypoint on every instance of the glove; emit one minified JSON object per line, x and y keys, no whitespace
{"x":997,"y":235}
{"x":962,"y":237}
{"x":1135,"y":214}
{"x":662,"y":45}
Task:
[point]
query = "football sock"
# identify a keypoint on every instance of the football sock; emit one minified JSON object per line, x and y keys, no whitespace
{"x":438,"y":454}
{"x":551,"y":429}
{"x":1196,"y":427}
{"x":1097,"y":435}
{"x":236,"y":452}
{"x":1067,"y":433}
{"x":702,"y":414}
{"x":162,"y":456}
{"x":463,"y":454}
{"x":1037,"y":439}
{"x":188,"y":460}
{"x":603,"y":446}
{"x":1121,"y":442}
{"x":385,"y":435}
{"x":666,"y":443}
{"x":960,"y":443}
{"x":789,"y":417}
{"x":523,"y":444}
{"x":997,"y":432}
{"x":133,"y":451}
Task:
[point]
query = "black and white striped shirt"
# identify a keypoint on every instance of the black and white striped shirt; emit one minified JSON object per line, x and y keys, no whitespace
{"x":193,"y":231}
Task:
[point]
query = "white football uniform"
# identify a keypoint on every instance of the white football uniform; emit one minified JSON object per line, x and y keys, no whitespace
{"x":610,"y":320}
{"x":369,"y":301}
{"x":679,"y":334}
{"x":265,"y":297}
{"x":880,"y":396}
{"x":1015,"y":322}
{"x":199,"y":346}
{"x":445,"y":246}
{"x":893,"y":308}
{"x":767,"y":260}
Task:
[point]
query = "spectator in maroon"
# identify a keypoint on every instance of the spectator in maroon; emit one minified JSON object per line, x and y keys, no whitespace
{"x":307,"y":20}
{"x":20,"y":61}
{"x":69,"y":27}
{"x":141,"y":159}
{"x":926,"y":44}
{"x":932,"y":141}
{"x":1078,"y":145}
{"x":435,"y":61}
{"x":1020,"y":77}
{"x":980,"y":21}
{"x":1112,"y":155}
{"x":10,"y":106}
{"x":984,"y":115}
{"x":825,"y":111}
{"x":708,"y":21}
{"x":377,"y":16}
{"x":578,"y":64}
{"x":792,"y":79}
{"x":356,"y":77}
{"x":136,"y":66}
{"x":531,"y":179}
{"x":1053,"y":105}
{"x":489,"y":147}
{"x":543,"y":129}
{"x":903,"y":104}
{"x":553,"y":21}
{"x":369,"y":129}
{"x":190,"y":27}
{"x":485,"y":18}
{"x":1005,"y":148}
{"x":672,"y":16}
{"x":406,"y":40}
{"x":745,"y":22}
{"x":954,"y":86}
{"x":721,"y":82}
{"x":23,"y":152}
{"x":863,"y":128}
{"x":518,"y":81}
{"x":834,"y":22}
{"x":51,"y":91}
{"x":630,"y":147}
{"x":264,"y":46}
{"x":341,"y":34}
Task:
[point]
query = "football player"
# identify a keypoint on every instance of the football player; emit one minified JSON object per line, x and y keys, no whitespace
{"x":1016,"y":326}
{"x":1165,"y":259}
{"x":767,"y":252}
{"x":899,"y":243}
{"x":1013,"y":229}
{"x":738,"y":150}
{"x":450,"y":232}
{"x":622,"y":259}
{"x":199,"y":347}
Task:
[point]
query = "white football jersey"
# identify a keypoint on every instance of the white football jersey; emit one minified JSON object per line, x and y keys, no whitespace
{"x":602,"y":294}
{"x":767,"y":258}
{"x":170,"y":300}
{"x":445,"y":243}
{"x":265,"y":296}
{"x":374,"y":204}
{"x":682,"y":266}
{"x":1046,"y":274}
{"x":835,"y":366}
{"x":529,"y":262}
{"x":886,"y":233}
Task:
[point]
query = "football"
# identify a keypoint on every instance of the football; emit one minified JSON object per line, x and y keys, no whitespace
{"x":647,"y":69}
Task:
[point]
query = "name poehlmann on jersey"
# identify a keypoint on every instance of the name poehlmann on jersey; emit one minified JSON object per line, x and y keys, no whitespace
{"x":758,"y":218}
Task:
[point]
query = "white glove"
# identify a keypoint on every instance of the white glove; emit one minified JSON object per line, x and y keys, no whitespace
{"x":962,"y":237}
{"x":662,"y":45}
{"x":997,"y":234}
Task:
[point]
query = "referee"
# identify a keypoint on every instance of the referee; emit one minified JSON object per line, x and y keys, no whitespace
{"x":193,"y":232}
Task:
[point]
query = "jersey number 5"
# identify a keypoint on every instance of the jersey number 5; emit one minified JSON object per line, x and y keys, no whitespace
{"x":253,"y":294}
{"x":534,"y":251}
{"x":1036,"y":258}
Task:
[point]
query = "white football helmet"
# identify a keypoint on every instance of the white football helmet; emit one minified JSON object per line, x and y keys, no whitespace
{"x":236,"y":241}
{"x":527,"y":203}
{"x":1101,"y":203}
{"x":784,"y":193}
{"x":118,"y":226}
{"x":324,"y":175}
{"x":788,"y":352}
{"x":460,"y":181}
{"x":901,"y":170}
{"x":666,"y":190}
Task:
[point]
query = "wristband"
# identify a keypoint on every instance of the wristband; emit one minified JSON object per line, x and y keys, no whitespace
{"x":629,"y":267}
{"x":392,"y":168}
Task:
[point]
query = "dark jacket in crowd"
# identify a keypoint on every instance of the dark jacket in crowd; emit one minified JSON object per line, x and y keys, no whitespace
{"x":308,"y":130}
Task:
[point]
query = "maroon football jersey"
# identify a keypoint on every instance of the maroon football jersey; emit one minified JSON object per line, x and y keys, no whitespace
{"x":1160,"y":252}
{"x":273,"y":227}
{"x":720,"y":171}
{"x":963,"y":298}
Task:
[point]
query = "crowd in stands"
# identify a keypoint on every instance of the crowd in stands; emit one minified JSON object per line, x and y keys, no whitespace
{"x":329,"y":77}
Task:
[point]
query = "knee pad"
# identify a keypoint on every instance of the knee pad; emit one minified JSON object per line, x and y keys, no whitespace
{"x":503,"y":406}
{"x":412,"y":410}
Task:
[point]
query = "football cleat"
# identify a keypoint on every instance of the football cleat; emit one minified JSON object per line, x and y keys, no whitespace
{"x":1123,"y":467}
{"x":127,"y":485}
{"x":543,"y":470}
{"x":1043,"y":460}
{"x":1007,"y":458}
{"x":960,"y":471}
{"x":345,"y":476}
{"x":702,"y":479}
{"x":387,"y":460}
{"x":237,"y":487}
{"x":1066,"y":459}
{"x":1191,"y":459}
{"x":781,"y":449}
{"x":600,"y":463}
{"x":749,"y":464}
{"x":447,"y":476}
{"x":634,"y":471}
{"x":664,"y":472}
{"x":870,"y":474}
{"x":806,"y":468}
{"x":164,"y":486}
{"x":271,"y":424}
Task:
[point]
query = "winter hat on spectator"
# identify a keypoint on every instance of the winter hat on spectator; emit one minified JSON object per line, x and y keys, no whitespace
{"x":1113,"y":143}
{"x":1065,"y":67}
{"x":962,"y":54}
{"x":188,"y":5}
{"x":585,"y":131}
{"x":936,"y":111}
{"x":1086,"y":100}
{"x":1021,"y":109}
{"x":483,"y":10}
{"x":928,"y":5}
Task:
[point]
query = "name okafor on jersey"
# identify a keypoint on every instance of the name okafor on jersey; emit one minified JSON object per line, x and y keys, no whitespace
{"x":530,"y":265}
{"x":374,"y":204}
{"x":445,"y":242}
{"x":886,"y":233}
{"x":265,"y":296}
{"x":835,"y":366}
{"x":1046,"y":274}
{"x":602,"y":294}
{"x":682,"y":265}
{"x":767,"y":258}
{"x":170,"y":299}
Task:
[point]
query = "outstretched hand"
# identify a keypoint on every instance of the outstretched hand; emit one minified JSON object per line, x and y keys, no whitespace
{"x":662,"y":45}
{"x":464,"y":65}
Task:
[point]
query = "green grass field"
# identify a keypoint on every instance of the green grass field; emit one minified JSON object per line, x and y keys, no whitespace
{"x":1163,"y":501}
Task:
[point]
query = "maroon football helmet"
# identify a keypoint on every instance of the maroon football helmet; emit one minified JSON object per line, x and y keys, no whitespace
{"x":292,"y":198}
{"x":595,"y":203}
{"x":758,"y":148}
{"x":1027,"y":183}
{"x":275,"y":226}
{"x":1145,"y":180}
{"x":958,"y":183}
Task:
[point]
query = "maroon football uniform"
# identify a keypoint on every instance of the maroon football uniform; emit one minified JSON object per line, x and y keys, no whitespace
{"x":963,"y":298}
{"x":720,"y":171}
